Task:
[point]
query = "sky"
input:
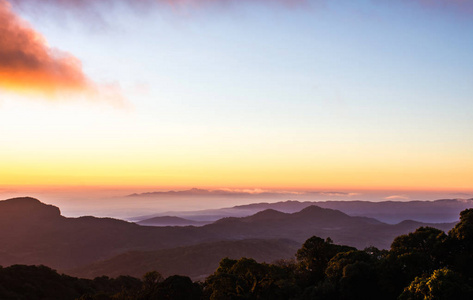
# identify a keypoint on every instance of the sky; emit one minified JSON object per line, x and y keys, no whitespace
{"x":264,"y":94}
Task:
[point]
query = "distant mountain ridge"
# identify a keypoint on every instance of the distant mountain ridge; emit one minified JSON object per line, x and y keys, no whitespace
{"x":437,"y":211}
{"x":359,"y":232}
{"x":196,"y":192}
{"x":32,"y":232}
{"x":171,"y":221}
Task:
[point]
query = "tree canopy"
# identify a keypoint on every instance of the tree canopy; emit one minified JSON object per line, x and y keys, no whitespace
{"x":425,"y":264}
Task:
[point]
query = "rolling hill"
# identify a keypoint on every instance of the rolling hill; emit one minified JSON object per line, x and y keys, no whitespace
{"x":197,"y":261}
{"x":35,"y":233}
{"x":170,"y":221}
{"x":392,"y":212}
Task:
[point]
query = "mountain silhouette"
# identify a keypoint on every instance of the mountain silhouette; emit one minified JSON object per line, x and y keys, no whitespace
{"x":392,"y":212}
{"x":197,"y":261}
{"x":170,"y":221}
{"x":27,"y":208}
{"x":35,"y":233}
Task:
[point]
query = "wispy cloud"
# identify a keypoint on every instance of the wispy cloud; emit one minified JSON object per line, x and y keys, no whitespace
{"x":218,"y":192}
{"x":29,"y":66}
{"x":95,"y":9}
{"x":397,"y":197}
{"x":258,"y":193}
{"x":28,"y":63}
{"x":147,"y":3}
{"x":461,"y":194}
{"x":337,"y":194}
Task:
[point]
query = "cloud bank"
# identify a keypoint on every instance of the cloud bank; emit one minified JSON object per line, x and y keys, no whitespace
{"x":28,"y":64}
{"x":397,"y":197}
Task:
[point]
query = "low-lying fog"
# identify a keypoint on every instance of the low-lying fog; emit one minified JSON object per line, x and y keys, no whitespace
{"x":127,"y":203}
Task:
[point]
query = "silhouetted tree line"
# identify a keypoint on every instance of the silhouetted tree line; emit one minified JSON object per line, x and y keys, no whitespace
{"x":425,"y":264}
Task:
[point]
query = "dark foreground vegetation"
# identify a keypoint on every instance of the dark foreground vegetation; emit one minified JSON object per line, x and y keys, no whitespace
{"x":425,"y":264}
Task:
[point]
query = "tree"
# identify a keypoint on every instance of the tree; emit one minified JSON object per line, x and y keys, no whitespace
{"x":247,"y":279}
{"x":178,"y":288}
{"x":314,"y":256}
{"x":461,"y":244}
{"x":419,"y":252}
{"x":150,"y":285}
{"x":464,"y":229}
{"x":442,"y":284}
{"x":353,"y":275}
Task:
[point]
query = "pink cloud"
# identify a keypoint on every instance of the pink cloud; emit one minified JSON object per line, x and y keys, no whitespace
{"x":28,"y":63}
{"x":397,"y":197}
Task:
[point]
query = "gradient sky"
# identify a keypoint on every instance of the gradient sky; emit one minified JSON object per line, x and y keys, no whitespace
{"x":239,"y":94}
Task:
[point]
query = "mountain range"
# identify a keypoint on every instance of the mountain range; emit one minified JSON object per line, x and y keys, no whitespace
{"x":392,"y":212}
{"x":171,"y":221}
{"x":36,"y":233}
{"x":196,"y":261}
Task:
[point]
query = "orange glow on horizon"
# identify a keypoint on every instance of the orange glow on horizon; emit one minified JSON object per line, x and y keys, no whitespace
{"x":282,"y":179}
{"x":91,"y":161}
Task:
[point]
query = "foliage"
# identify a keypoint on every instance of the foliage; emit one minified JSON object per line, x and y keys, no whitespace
{"x":443,"y":284}
{"x":425,"y":264}
{"x":461,"y":244}
{"x":314,"y":256}
{"x":247,"y":279}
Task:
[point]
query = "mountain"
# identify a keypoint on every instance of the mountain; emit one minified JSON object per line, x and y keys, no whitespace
{"x":170,"y":221}
{"x":32,"y":232}
{"x":359,"y":232}
{"x":29,"y":208}
{"x":438,"y":211}
{"x":195,"y":192}
{"x":35,"y":233}
{"x":196,"y":261}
